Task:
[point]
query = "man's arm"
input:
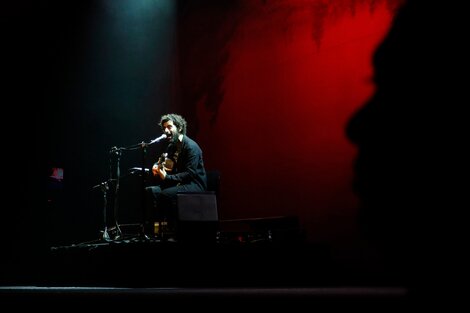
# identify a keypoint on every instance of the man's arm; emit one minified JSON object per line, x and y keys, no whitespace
{"x":188,"y":169}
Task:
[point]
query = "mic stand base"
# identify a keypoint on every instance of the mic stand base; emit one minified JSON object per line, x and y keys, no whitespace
{"x":143,"y":235}
{"x":118,"y":232}
{"x":105,"y":235}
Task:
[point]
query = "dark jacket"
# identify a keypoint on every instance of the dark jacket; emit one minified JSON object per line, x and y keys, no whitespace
{"x":189,"y":165}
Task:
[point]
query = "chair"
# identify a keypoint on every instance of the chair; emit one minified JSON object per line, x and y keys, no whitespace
{"x":197,"y":212}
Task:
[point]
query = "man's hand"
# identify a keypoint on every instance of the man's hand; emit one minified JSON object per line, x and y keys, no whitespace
{"x":159,"y":170}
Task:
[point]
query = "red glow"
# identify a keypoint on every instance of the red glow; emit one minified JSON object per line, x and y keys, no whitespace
{"x":293,"y":79}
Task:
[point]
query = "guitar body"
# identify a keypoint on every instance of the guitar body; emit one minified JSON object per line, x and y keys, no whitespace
{"x":163,"y":162}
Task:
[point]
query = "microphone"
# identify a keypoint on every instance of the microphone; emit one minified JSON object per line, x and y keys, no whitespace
{"x":163,"y":136}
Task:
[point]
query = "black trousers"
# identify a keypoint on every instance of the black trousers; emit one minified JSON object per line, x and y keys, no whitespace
{"x":160,"y":205}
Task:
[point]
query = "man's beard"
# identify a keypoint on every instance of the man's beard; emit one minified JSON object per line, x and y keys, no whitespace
{"x":174,"y":137}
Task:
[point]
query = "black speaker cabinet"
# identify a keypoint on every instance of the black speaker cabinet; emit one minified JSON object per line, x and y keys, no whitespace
{"x":197,"y":217}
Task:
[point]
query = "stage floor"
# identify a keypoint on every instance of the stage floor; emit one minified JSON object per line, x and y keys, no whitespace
{"x":138,"y":263}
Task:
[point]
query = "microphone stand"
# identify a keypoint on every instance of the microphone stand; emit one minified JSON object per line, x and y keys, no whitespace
{"x":143,"y":195}
{"x":118,"y":153}
{"x":104,"y":188}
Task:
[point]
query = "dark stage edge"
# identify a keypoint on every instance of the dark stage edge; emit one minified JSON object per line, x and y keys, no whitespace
{"x":219,"y":298}
{"x":156,"y":264}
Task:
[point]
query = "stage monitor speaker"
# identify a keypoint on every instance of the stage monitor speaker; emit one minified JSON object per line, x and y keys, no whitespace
{"x":197,"y":207}
{"x":197,"y":217}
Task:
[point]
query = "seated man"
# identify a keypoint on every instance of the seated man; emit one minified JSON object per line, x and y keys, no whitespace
{"x":179,"y":169}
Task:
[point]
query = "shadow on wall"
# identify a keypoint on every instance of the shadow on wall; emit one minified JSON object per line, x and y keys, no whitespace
{"x":410,"y":139}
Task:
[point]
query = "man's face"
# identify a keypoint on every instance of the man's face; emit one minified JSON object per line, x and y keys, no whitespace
{"x":171,"y":131}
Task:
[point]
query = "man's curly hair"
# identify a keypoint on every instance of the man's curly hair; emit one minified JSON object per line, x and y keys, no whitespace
{"x":178,"y":121}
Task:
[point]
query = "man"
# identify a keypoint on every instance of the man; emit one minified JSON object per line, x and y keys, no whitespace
{"x":180,"y":169}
